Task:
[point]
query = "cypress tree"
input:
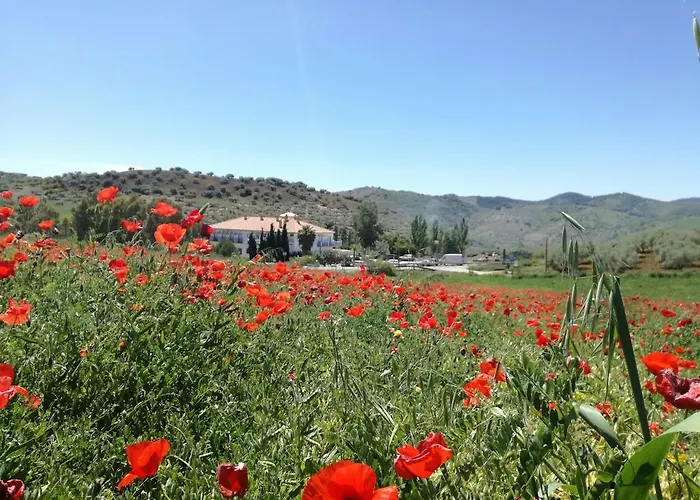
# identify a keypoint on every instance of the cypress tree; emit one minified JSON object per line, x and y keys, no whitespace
{"x":271,"y":239}
{"x":284,"y":241}
{"x":279,"y":246}
{"x":252,"y":247}
{"x":263,"y":242}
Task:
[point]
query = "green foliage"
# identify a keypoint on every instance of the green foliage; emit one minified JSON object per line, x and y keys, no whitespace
{"x":366,"y":224}
{"x":380,"y":267}
{"x":306,"y":237}
{"x":226,"y":248}
{"x":419,"y":233}
{"x":399,"y":245}
{"x":252,"y":249}
{"x":334,"y":257}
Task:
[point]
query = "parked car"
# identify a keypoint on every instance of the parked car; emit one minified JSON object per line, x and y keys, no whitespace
{"x":452,"y":259}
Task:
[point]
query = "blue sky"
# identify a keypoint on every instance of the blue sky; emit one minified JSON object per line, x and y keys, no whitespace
{"x":513,"y":98}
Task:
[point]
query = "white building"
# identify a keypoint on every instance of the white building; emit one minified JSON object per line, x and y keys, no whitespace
{"x":238,"y":231}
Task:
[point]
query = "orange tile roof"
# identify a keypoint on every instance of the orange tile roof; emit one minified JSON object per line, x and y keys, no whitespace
{"x":258,"y":223}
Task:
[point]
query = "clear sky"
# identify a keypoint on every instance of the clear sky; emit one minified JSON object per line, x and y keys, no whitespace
{"x":517,"y":98}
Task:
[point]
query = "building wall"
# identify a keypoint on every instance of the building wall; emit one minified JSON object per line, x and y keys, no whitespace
{"x":240,"y":239}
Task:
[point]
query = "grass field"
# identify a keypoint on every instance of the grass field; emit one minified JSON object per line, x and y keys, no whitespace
{"x":291,"y":371}
{"x":679,"y":286}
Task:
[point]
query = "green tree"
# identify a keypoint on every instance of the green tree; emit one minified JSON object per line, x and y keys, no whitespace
{"x":82,"y":219}
{"x":435,"y":237}
{"x":284,"y":237}
{"x":366,"y":223}
{"x":461,"y":235}
{"x":252,"y":246}
{"x":306,"y":236}
{"x":419,"y":233}
{"x":263,"y":242}
{"x":399,"y":244}
{"x":272,"y":238}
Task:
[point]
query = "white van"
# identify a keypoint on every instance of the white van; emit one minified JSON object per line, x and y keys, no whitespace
{"x":452,"y":259}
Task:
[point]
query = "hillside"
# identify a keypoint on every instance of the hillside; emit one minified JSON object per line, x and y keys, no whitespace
{"x":504,"y":222}
{"x":494,"y":222}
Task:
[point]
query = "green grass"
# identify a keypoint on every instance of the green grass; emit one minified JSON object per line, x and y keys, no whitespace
{"x":681,"y":286}
{"x":192,"y":372}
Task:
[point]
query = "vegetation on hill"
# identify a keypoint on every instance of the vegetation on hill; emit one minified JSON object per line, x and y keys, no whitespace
{"x":495,"y":223}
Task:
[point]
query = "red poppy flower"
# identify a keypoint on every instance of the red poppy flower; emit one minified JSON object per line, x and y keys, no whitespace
{"x":346,"y":480}
{"x":107,"y":194}
{"x":324,"y":315}
{"x":169,"y":235}
{"x":605,"y":409}
{"x":14,"y":488}
{"x":193,"y":218}
{"x":687,"y":364}
{"x":16,"y":314}
{"x":131,"y":226}
{"x":7,"y":390}
{"x":356,"y":311}
{"x":20,"y":257}
{"x":29,"y":201}
{"x":233,"y":480}
{"x":6,"y":194}
{"x":421,"y":462}
{"x":4,"y":225}
{"x":667,"y":314}
{"x":261,"y":317}
{"x":7,"y":269}
{"x":488,"y":367}
{"x":163,"y":209}
{"x":205,"y":230}
{"x":683,"y":393}
{"x":144,"y":458}
{"x":200,"y":245}
{"x":657,"y":361}
{"x":6,"y":212}
{"x":480,"y":384}
{"x":46,"y":225}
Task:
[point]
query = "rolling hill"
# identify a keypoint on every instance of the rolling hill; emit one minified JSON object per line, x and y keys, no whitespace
{"x":494,"y":222}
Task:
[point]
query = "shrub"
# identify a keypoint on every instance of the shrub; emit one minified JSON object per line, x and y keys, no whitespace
{"x":305,"y":260}
{"x":381,"y":267}
{"x":332,"y":257}
{"x":226,"y":248}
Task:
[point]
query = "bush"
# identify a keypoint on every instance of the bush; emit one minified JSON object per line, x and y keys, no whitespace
{"x":381,"y":267}
{"x":226,"y":248}
{"x":305,"y":260}
{"x":332,"y":257}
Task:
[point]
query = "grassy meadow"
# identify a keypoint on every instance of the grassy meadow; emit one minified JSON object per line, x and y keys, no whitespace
{"x":289,"y":370}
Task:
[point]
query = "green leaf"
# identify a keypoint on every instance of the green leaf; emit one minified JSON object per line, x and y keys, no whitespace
{"x":598,"y":423}
{"x":642,"y":468}
{"x":552,"y":487}
{"x":563,"y":240}
{"x":573,"y":222}
{"x":696,"y":32}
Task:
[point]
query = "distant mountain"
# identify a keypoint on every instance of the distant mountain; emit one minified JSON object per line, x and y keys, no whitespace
{"x":499,"y":222}
{"x":494,"y":221}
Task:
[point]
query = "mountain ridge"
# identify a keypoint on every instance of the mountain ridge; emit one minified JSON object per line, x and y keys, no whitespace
{"x":494,"y":221}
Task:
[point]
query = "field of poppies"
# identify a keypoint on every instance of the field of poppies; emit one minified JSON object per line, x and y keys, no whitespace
{"x":157,"y":371}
